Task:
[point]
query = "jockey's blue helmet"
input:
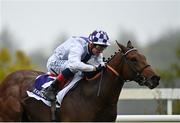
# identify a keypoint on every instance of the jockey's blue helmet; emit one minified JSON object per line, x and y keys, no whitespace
{"x":99,"y":37}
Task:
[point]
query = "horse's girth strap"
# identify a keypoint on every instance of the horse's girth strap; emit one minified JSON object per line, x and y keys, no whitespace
{"x":112,"y":69}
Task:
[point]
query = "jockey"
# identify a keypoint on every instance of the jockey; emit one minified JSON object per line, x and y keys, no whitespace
{"x":72,"y":56}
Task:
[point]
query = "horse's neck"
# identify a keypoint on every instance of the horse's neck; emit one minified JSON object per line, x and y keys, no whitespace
{"x":112,"y":84}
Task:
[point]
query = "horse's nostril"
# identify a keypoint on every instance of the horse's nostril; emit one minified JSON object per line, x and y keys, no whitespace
{"x":155,"y":78}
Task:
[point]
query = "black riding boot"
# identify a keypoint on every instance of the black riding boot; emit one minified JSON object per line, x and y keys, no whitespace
{"x":51,"y":91}
{"x":58,"y":84}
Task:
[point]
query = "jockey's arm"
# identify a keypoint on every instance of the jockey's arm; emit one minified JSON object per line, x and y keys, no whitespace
{"x":74,"y":60}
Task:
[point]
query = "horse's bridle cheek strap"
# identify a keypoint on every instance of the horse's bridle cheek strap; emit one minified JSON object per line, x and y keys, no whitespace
{"x":113,"y":70}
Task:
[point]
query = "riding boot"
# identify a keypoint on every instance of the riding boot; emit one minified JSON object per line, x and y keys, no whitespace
{"x":58,"y":84}
{"x":55,"y":87}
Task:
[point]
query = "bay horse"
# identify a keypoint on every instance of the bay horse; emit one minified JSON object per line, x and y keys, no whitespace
{"x":91,"y":100}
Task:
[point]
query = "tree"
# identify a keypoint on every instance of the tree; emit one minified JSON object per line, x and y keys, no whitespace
{"x":11,"y":59}
{"x":170,"y":76}
{"x":10,"y":63}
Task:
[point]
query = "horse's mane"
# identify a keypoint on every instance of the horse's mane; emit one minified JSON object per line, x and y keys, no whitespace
{"x":111,"y":57}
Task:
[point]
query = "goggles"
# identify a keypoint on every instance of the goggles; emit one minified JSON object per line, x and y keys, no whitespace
{"x":100,"y":47}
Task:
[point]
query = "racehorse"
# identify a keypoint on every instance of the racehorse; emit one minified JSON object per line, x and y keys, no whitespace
{"x":91,"y":99}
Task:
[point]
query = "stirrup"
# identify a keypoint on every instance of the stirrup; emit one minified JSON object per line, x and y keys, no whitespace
{"x":51,"y":96}
{"x":50,"y":93}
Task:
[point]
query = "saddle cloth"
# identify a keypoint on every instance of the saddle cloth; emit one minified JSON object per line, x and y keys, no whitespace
{"x":44,"y":81}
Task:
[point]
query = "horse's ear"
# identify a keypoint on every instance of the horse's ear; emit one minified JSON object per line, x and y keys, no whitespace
{"x":129,"y":45}
{"x":122,"y":47}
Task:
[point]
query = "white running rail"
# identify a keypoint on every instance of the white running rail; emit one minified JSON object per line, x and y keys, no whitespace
{"x":148,"y":118}
{"x":168,"y":94}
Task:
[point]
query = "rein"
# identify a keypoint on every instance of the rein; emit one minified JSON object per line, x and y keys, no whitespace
{"x":98,"y":74}
{"x":111,"y":68}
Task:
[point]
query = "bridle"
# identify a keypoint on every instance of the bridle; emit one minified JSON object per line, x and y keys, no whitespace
{"x":137,"y":74}
{"x":138,"y":77}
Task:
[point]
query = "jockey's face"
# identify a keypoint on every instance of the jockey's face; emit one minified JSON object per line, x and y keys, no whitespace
{"x":97,"y":49}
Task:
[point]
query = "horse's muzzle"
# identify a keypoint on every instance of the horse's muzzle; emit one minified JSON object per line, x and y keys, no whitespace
{"x":153,"y":81}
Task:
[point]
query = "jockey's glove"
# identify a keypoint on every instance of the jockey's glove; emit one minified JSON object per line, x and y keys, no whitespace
{"x":100,"y":68}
